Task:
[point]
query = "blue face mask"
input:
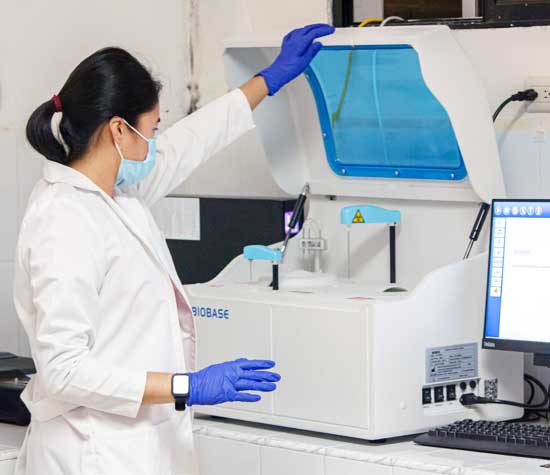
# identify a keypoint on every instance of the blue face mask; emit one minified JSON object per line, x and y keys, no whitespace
{"x":132,"y":172}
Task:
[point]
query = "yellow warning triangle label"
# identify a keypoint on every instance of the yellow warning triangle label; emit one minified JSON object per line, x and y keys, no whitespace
{"x":358,"y":218}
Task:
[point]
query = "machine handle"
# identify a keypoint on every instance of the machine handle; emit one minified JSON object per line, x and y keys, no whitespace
{"x":480,"y":221}
{"x":262,"y":253}
{"x":297,"y":211}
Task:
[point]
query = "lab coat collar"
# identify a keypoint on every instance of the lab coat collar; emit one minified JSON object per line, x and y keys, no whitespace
{"x":58,"y":173}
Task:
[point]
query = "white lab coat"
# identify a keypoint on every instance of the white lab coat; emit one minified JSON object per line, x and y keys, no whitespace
{"x":98,"y":295}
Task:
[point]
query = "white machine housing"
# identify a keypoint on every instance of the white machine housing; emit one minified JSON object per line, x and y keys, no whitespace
{"x":353,"y":358}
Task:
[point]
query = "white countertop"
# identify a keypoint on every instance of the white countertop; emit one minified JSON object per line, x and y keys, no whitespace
{"x":397,"y":453}
{"x":400,"y":452}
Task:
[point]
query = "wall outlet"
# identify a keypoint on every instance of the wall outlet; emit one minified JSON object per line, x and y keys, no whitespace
{"x":540,"y":84}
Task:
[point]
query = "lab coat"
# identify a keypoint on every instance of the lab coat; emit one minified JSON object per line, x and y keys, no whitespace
{"x":98,"y":295}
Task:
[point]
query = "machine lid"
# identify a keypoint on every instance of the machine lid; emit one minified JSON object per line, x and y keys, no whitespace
{"x":387,"y":112}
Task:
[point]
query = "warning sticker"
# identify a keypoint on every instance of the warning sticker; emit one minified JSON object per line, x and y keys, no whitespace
{"x":448,"y":363}
{"x":358,"y":218}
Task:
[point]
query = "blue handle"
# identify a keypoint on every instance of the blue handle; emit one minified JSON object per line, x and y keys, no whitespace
{"x":368,"y":215}
{"x":262,"y":253}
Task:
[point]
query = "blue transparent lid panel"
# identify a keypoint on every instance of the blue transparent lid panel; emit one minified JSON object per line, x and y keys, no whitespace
{"x":379,"y":118}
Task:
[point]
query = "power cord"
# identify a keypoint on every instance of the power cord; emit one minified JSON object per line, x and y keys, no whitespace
{"x":471,"y":399}
{"x":531,"y":379}
{"x":532,"y":393}
{"x":537,"y":413}
{"x":526,"y":95}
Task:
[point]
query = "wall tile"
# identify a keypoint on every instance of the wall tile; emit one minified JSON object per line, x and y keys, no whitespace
{"x":278,"y":461}
{"x":228,"y":457}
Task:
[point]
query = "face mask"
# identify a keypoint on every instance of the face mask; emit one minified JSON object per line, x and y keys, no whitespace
{"x":132,"y":172}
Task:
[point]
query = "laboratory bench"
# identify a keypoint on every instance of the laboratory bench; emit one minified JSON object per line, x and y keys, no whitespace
{"x":235,"y":448}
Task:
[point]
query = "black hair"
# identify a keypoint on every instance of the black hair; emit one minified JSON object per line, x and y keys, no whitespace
{"x":111,"y":82}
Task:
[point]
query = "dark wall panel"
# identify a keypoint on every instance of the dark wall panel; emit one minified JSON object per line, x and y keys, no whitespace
{"x":227,"y":225}
{"x":412,"y":9}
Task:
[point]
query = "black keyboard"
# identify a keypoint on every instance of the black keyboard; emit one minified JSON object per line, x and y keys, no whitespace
{"x":507,"y":438}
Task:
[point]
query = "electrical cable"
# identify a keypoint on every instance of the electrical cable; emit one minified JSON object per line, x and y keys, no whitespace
{"x":536,"y":381}
{"x":472,"y":399}
{"x":391,"y":18}
{"x":532,"y":389}
{"x":526,"y":95}
{"x":370,"y":20}
{"x":540,"y":414}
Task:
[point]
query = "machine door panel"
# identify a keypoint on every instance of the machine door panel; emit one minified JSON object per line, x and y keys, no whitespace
{"x":322,"y":355}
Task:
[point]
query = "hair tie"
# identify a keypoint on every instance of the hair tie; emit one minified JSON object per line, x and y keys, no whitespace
{"x":57,"y":103}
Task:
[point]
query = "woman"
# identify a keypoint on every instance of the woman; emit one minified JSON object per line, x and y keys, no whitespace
{"x":95,"y":287}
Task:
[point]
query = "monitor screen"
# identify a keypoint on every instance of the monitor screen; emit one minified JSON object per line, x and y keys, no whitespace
{"x":517,"y":314}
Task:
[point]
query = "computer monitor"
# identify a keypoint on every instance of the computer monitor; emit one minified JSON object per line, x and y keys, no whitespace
{"x":517,"y":310}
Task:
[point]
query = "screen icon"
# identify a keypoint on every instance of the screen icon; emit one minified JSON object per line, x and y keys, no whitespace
{"x":506,"y":210}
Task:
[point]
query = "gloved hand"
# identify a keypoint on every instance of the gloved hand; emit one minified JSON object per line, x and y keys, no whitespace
{"x":297,"y":51}
{"x":223,"y":382}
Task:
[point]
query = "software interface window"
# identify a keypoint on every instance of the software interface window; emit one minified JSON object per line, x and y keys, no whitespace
{"x":519,"y":272}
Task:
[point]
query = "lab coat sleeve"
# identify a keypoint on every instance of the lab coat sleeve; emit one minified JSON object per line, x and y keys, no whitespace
{"x":194,"y":139}
{"x":66,"y":265}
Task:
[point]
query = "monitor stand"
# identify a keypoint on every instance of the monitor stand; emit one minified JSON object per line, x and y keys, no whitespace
{"x":541,"y":359}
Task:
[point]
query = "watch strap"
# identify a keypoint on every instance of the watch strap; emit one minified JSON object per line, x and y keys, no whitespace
{"x":181,"y":403}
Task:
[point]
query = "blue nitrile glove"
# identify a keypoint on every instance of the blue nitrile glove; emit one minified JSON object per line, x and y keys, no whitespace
{"x":297,"y":51}
{"x":223,"y":382}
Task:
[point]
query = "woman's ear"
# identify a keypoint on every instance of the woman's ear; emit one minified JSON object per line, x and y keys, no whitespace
{"x":116,"y":126}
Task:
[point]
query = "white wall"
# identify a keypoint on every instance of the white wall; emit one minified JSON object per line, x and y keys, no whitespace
{"x":364,"y":9}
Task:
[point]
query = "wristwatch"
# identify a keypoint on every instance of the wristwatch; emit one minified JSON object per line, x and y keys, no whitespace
{"x":180,"y":390}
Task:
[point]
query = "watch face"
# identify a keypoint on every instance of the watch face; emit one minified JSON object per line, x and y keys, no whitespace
{"x":180,"y":384}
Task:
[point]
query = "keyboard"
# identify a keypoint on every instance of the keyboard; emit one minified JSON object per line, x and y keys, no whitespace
{"x":506,"y":438}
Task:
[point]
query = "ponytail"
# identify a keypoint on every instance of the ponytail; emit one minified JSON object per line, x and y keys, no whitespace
{"x":110,"y":82}
{"x":40,"y":134}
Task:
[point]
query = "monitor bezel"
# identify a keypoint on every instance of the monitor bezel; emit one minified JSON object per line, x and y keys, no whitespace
{"x":497,"y":343}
